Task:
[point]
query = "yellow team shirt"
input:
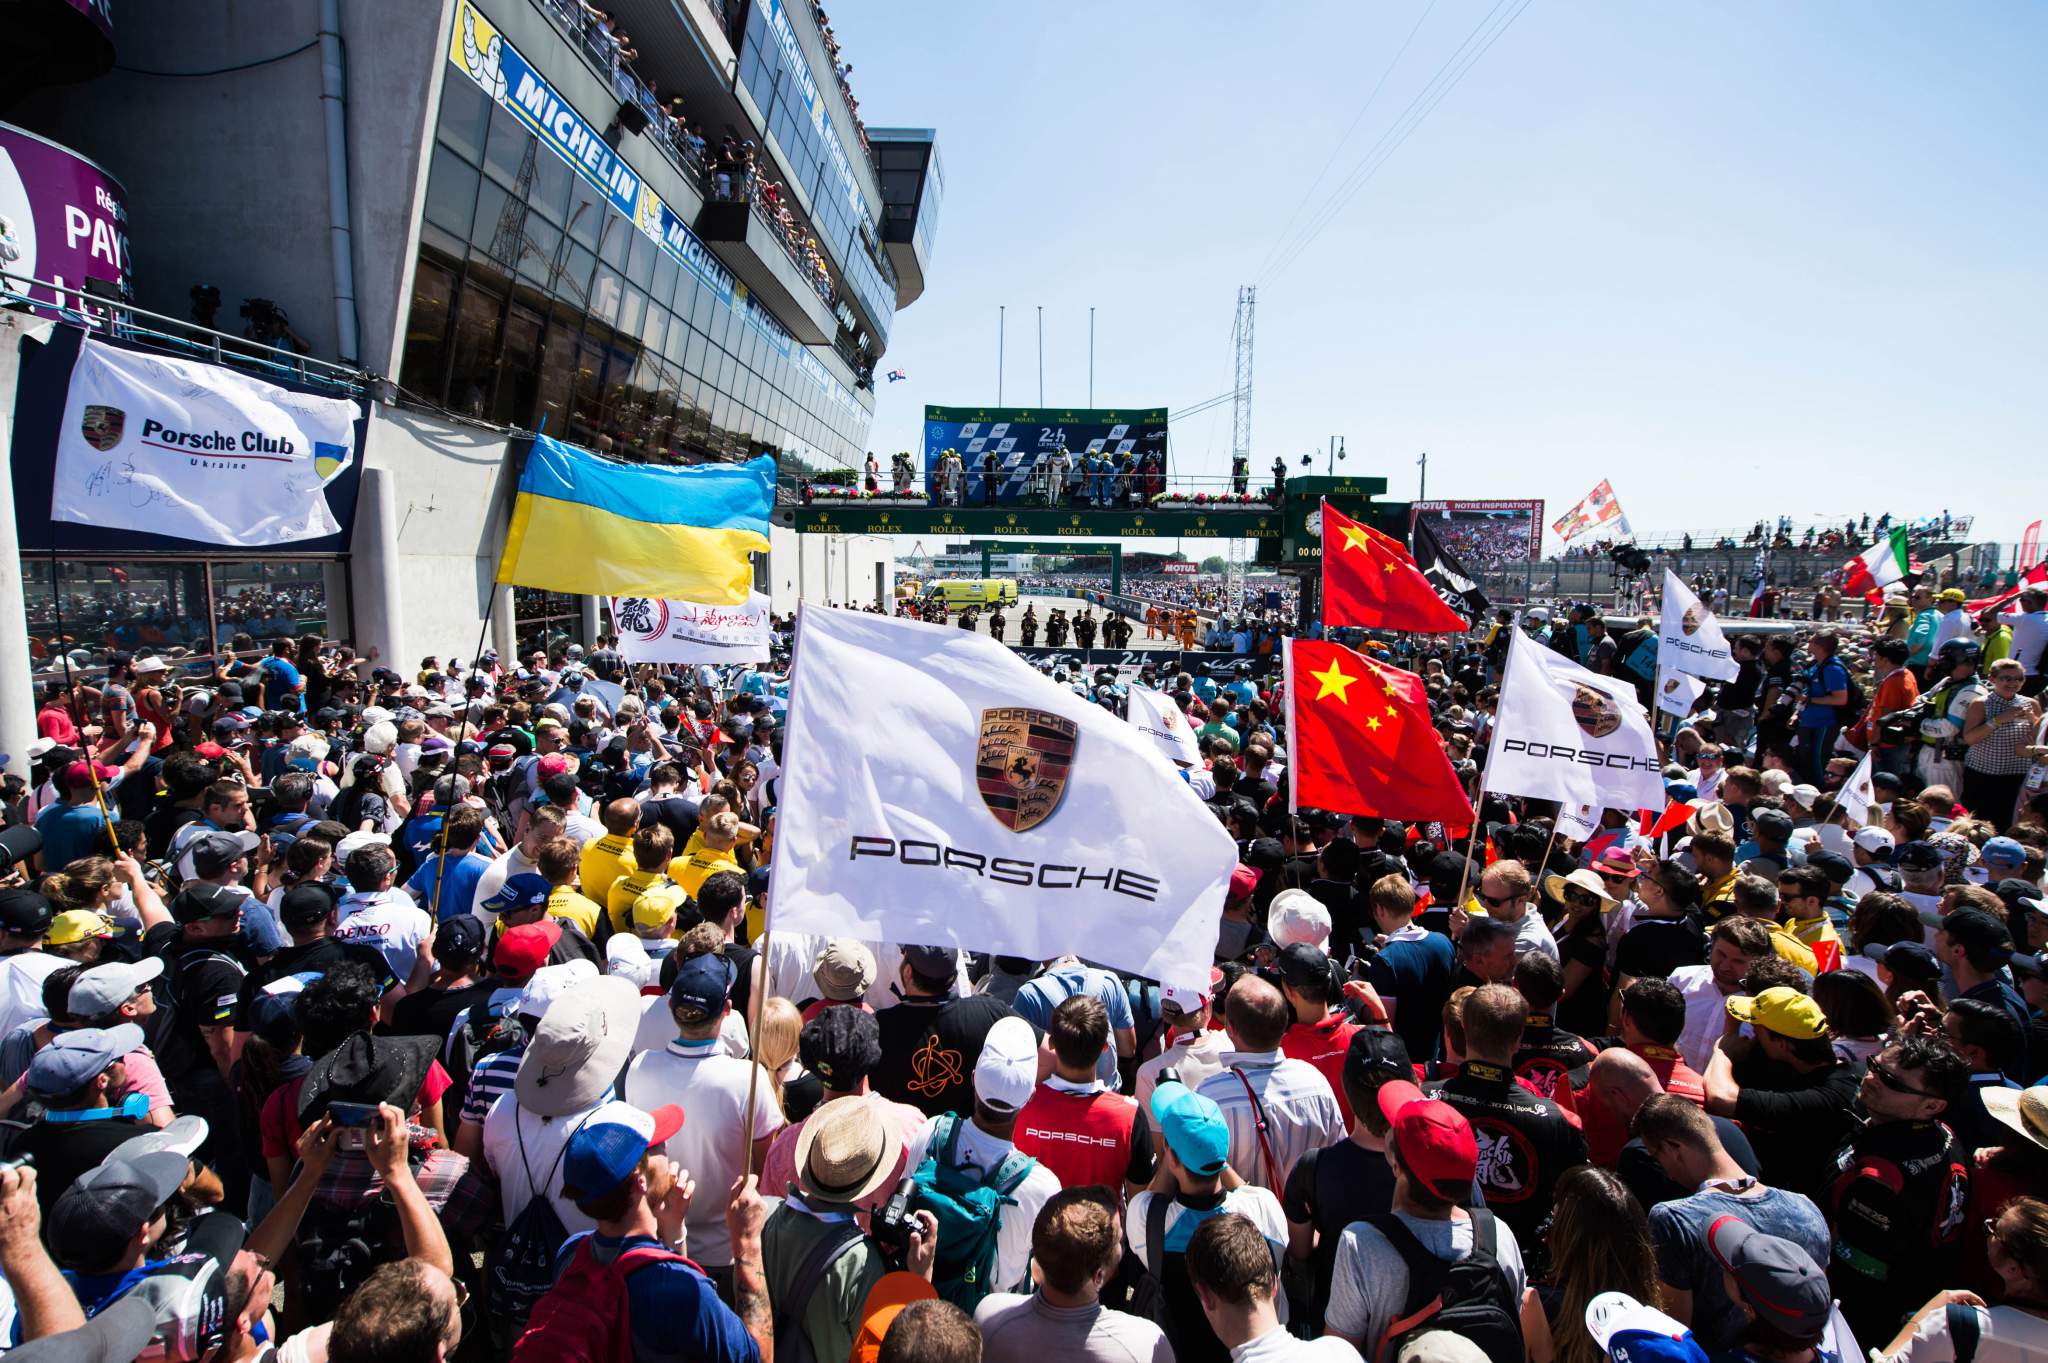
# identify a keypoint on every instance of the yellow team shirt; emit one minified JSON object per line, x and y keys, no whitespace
{"x":1795,"y":951}
{"x":692,"y":871}
{"x":565,"y":903}
{"x":604,"y":861}
{"x":618,"y":901}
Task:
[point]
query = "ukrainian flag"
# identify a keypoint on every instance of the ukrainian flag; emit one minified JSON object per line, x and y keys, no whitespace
{"x":592,"y":526}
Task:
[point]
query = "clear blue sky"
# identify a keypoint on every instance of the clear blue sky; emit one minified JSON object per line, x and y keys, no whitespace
{"x":1741,"y":259}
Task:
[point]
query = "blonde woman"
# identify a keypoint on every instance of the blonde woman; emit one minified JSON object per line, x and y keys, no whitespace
{"x":796,"y":1088}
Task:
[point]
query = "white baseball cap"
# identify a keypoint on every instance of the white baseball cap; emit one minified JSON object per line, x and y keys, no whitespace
{"x":1630,"y":1332}
{"x":1298,"y":916}
{"x":550,"y":982}
{"x":1007,"y":1071}
{"x":1874,"y":839}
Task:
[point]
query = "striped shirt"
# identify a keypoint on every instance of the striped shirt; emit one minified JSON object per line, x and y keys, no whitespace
{"x":492,"y":1076}
{"x":1301,"y":1113}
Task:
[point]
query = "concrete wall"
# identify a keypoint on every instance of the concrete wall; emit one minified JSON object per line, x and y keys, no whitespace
{"x":227,"y":174}
{"x":428,"y":530}
{"x":836,"y":570}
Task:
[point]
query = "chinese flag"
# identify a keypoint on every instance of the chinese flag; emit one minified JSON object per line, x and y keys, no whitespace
{"x":1362,"y":739}
{"x":1370,"y":581}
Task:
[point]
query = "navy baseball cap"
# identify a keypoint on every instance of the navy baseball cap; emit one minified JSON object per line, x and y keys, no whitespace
{"x":608,"y":1147}
{"x":522,"y":891}
{"x":702,"y":986}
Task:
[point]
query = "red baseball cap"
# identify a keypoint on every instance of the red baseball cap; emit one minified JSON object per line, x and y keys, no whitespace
{"x":524,"y":949}
{"x":1243,"y":881}
{"x":81,"y":773}
{"x":212,"y":752}
{"x":554,"y":764}
{"x":1435,"y":1142}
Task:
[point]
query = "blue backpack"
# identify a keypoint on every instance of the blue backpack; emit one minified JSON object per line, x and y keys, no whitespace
{"x":968,"y":1203}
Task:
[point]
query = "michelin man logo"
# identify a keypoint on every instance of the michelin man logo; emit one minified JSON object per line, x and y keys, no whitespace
{"x":484,"y":61}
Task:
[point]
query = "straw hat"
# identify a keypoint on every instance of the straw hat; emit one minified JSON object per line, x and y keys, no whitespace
{"x":2024,"y":1110}
{"x":846,"y":1150}
{"x":1581,"y":879}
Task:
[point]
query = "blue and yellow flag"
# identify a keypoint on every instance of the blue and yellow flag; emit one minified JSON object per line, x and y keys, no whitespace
{"x":593,"y":526}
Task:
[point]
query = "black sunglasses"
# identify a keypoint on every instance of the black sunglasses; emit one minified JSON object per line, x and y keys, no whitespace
{"x":1889,"y":1077}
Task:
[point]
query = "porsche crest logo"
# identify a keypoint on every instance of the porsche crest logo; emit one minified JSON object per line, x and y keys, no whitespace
{"x":101,"y":426}
{"x":1021,"y":764}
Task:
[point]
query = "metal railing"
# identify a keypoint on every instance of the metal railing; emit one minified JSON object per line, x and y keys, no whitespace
{"x":125,"y":322}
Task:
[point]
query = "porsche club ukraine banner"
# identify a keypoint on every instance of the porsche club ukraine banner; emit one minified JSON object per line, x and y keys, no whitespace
{"x":195,"y":451}
{"x":652,"y":630}
{"x":1678,"y":693}
{"x":975,"y":803}
{"x":1689,"y":638}
{"x":1154,"y":714}
{"x":1567,"y":734}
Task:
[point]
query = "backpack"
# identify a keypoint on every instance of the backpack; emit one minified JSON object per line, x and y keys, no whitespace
{"x":587,"y":1318}
{"x":1468,"y":1297}
{"x":792,"y":1341}
{"x":482,"y":1033}
{"x":968,"y":1203}
{"x":1854,"y":702}
{"x":521,"y":1266}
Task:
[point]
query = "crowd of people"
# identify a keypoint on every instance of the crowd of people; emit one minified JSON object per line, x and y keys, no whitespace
{"x":1478,"y":538}
{"x":728,"y":171}
{"x":368,"y":1015}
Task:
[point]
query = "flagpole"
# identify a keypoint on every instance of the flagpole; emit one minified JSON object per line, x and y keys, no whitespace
{"x":759,"y":994}
{"x":1293,"y":734}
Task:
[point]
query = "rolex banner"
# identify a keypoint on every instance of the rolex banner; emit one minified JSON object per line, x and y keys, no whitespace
{"x":977,"y":804}
{"x":196,"y":451}
{"x":1689,"y":638}
{"x":652,"y":630}
{"x":1564,"y":733}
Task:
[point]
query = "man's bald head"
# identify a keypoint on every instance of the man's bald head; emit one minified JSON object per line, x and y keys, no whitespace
{"x":1624,"y":1081}
{"x":1256,"y":1014}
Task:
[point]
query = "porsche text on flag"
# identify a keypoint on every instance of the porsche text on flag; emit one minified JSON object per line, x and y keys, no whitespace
{"x":939,"y":790}
{"x":1689,"y":638}
{"x":1154,"y":714}
{"x":196,"y":452}
{"x":1677,"y":693}
{"x":1564,"y":733}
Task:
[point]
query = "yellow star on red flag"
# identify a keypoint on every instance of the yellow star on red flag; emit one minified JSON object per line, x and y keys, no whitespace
{"x":1333,"y":681}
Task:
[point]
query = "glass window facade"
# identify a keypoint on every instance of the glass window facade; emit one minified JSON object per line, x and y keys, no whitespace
{"x":535,"y":301}
{"x":839,"y":214}
{"x":181,"y":609}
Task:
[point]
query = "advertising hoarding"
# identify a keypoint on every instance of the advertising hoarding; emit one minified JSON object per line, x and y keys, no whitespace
{"x":62,"y":218}
{"x":1482,"y":532}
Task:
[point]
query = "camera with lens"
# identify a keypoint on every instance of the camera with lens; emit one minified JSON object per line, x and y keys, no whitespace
{"x":891,"y":1225}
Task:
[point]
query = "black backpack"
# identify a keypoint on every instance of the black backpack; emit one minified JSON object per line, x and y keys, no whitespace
{"x":1468,"y":1296}
{"x":521,"y":1266}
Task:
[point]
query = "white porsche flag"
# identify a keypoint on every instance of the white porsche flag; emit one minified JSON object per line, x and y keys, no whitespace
{"x":1154,"y":714}
{"x":1689,"y":638}
{"x":1678,"y":693}
{"x":1563,"y":733}
{"x":1859,"y":799}
{"x":936,"y":789}
{"x":196,"y":452}
{"x":652,"y":630}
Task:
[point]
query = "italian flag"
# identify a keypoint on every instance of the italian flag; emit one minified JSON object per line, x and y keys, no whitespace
{"x":1877,"y":567}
